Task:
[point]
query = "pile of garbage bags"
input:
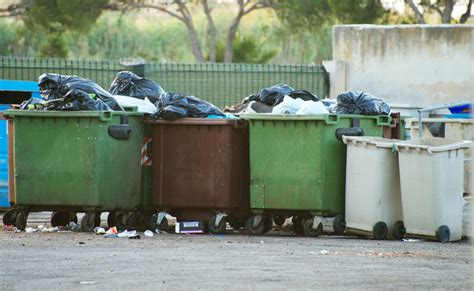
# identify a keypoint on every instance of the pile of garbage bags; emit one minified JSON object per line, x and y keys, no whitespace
{"x":73,"y":93}
{"x":283,"y":99}
{"x":173,"y":106}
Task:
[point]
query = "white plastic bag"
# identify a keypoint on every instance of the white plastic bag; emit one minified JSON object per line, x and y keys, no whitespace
{"x":144,"y":106}
{"x":311,"y":107}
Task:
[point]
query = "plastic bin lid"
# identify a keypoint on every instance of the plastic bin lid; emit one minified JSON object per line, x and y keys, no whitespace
{"x":373,"y":140}
{"x":434,"y":144}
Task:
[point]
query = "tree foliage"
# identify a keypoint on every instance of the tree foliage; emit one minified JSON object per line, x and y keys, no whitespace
{"x":311,"y":14}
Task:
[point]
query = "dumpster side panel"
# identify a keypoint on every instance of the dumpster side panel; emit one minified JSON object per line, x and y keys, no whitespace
{"x":299,"y":164}
{"x":73,"y":162}
{"x":199,"y":166}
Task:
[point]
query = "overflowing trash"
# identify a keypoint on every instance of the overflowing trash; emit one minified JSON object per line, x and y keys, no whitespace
{"x":70,"y":93}
{"x":353,"y":102}
{"x":299,"y":106}
{"x":274,"y":95}
{"x":130,"y":84}
{"x":173,"y":106}
{"x":270,"y":100}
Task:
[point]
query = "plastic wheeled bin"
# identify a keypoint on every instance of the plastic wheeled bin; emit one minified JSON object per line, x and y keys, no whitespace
{"x":201,"y":171}
{"x":82,"y":161}
{"x":297,"y":168}
{"x":431,"y":179}
{"x":373,"y":199}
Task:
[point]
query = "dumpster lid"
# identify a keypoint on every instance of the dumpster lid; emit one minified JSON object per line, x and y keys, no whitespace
{"x":197,"y":121}
{"x":373,"y":140}
{"x":434,"y":144}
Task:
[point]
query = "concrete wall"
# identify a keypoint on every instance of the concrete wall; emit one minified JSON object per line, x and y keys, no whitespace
{"x":411,"y":64}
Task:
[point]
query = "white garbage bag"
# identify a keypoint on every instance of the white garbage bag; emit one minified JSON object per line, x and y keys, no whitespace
{"x":144,"y":106}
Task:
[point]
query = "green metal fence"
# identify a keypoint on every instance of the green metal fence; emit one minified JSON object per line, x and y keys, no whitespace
{"x":221,"y":84}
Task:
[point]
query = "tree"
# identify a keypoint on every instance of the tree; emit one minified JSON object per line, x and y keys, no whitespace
{"x":180,"y":9}
{"x":444,"y":8}
{"x":55,"y":17}
{"x":311,"y":14}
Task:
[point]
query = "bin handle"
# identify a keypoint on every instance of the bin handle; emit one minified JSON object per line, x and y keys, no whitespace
{"x":122,"y":130}
{"x":105,"y":115}
{"x":331,"y":119}
{"x":384,"y":120}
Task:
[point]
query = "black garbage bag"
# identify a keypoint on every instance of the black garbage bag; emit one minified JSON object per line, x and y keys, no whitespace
{"x":172,"y":106}
{"x":77,"y":100}
{"x":55,"y":86}
{"x":130,"y":84}
{"x":353,"y":102}
{"x":302,"y":94}
{"x":273,"y":95}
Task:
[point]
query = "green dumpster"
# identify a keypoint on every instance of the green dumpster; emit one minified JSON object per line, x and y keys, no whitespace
{"x":83,"y":161}
{"x":297,"y":168}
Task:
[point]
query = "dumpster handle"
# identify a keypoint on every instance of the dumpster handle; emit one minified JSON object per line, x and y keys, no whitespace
{"x":122,"y":130}
{"x":331,"y":119}
{"x":383,"y":120}
{"x":105,"y":115}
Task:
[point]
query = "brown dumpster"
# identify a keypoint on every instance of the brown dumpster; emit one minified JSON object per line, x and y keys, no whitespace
{"x":201,"y":171}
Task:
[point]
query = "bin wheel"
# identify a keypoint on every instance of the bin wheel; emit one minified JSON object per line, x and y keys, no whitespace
{"x":399,"y":230}
{"x":220,"y":229}
{"x":339,"y":224}
{"x":9,"y":217}
{"x":111,"y":218}
{"x":279,"y":220}
{"x":236,"y":222}
{"x":255,"y":230}
{"x":89,"y":221}
{"x":59,"y":218}
{"x":131,"y":221}
{"x":120,"y":219}
{"x":20,"y":220}
{"x":308,"y":227}
{"x":380,"y":230}
{"x":297,"y":225}
{"x":443,"y":234}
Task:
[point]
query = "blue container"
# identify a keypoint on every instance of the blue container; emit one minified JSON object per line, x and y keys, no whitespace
{"x":11,"y":92}
{"x":463,"y":109}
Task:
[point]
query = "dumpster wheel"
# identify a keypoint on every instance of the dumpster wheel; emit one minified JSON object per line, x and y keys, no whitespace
{"x":399,"y":230}
{"x":20,"y":220}
{"x":219,"y":229}
{"x":261,"y":228}
{"x":339,"y":224}
{"x":308,"y":227}
{"x":443,"y":234}
{"x":380,"y":230}
{"x":9,"y":217}
{"x":89,"y":221}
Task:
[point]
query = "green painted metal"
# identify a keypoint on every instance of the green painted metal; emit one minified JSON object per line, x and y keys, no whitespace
{"x":68,"y":160}
{"x":220,"y":84}
{"x":298,"y":165}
